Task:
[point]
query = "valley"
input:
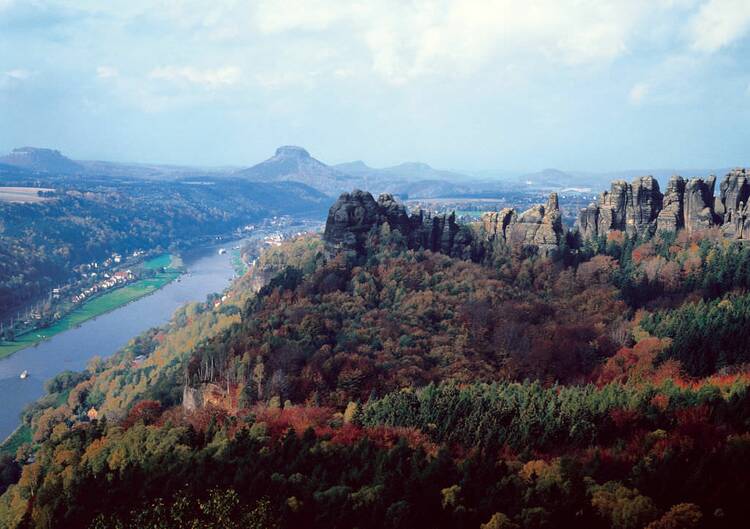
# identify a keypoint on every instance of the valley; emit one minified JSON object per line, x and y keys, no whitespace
{"x":454,"y":264}
{"x":72,"y":348}
{"x":416,"y":348}
{"x":580,"y":345}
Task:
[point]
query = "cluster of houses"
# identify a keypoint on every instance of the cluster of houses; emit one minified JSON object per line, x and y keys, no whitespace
{"x":89,"y":269}
{"x":109,"y":281}
{"x":219,"y":302}
{"x":275,"y":239}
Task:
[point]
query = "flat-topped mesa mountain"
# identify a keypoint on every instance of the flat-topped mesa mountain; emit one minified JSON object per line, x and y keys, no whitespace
{"x":640,"y":207}
{"x":356,"y":215}
{"x":44,"y":160}
{"x":295,"y":163}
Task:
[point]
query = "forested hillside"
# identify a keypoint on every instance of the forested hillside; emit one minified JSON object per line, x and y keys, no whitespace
{"x":604,"y":386}
{"x":41,"y":242}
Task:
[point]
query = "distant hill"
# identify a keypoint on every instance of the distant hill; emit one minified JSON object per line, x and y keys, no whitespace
{"x":412,"y":178}
{"x":7,"y":169}
{"x":407,"y":171}
{"x":555,"y":179}
{"x":42,"y":160}
{"x":39,"y":162}
{"x":295,"y":164}
{"x":150,"y":171}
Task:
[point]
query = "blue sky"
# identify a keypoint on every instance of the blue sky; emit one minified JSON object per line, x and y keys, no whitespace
{"x":485,"y":84}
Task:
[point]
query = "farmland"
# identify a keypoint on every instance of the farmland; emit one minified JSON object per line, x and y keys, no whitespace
{"x":23,"y":195}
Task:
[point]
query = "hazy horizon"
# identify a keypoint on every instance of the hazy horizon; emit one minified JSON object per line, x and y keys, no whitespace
{"x":466,"y":86}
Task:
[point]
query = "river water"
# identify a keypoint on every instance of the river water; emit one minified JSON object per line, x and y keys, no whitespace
{"x":207,"y":272}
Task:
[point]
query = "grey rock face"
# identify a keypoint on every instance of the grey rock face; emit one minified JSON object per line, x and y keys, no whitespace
{"x":733,"y":204}
{"x":588,"y":222}
{"x":495,"y":224}
{"x":698,"y":203}
{"x":640,"y":208}
{"x":354,"y":216}
{"x":350,"y":220}
{"x":672,"y":215}
{"x":644,"y":205}
{"x":632,"y":208}
{"x":734,"y":191}
{"x":613,"y":207}
{"x":538,"y":228}
{"x":192,"y":399}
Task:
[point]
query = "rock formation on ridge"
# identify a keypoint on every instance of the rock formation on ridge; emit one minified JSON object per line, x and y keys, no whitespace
{"x":632,"y":208}
{"x":539,"y":228}
{"x":640,"y":208}
{"x":355,"y":215}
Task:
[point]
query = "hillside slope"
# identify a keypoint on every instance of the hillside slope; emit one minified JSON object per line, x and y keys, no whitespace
{"x":397,"y":387}
{"x":295,"y":164}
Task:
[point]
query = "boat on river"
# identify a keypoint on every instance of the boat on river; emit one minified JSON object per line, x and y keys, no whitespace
{"x":24,"y":374}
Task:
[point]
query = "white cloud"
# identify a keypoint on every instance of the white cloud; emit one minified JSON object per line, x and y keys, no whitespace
{"x":274,"y":16}
{"x":400,"y":41}
{"x":208,"y":78}
{"x":18,"y":74}
{"x":638,"y":92}
{"x":406,"y":40}
{"x":13,"y":78}
{"x":718,"y":24}
{"x":107,"y":72}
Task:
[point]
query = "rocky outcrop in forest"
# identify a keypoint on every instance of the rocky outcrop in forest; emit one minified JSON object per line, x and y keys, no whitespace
{"x":640,"y":207}
{"x":539,"y":228}
{"x":354,"y":216}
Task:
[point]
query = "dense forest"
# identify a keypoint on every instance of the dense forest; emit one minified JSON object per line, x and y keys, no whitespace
{"x":604,"y":386}
{"x":41,"y":243}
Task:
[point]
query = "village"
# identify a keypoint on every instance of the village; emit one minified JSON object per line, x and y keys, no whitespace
{"x":94,"y":278}
{"x":109,"y":281}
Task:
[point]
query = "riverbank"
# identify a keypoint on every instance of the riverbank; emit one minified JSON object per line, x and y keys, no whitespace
{"x":206,"y":272}
{"x":166,"y":269}
{"x":19,"y":437}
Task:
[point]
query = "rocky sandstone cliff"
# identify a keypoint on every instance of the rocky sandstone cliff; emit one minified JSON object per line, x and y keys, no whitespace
{"x":539,"y":228}
{"x":354,"y":216}
{"x":209,"y":395}
{"x":640,"y":207}
{"x":632,"y":208}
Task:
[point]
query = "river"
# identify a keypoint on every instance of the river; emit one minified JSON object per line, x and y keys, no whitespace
{"x":207,"y":272}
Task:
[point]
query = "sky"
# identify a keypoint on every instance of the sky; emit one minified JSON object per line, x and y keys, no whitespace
{"x":471,"y":84}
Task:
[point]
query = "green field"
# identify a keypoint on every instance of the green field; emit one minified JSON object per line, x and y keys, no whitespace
{"x":21,"y":435}
{"x":237,"y":263}
{"x":163,"y":261}
{"x":99,"y":305}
